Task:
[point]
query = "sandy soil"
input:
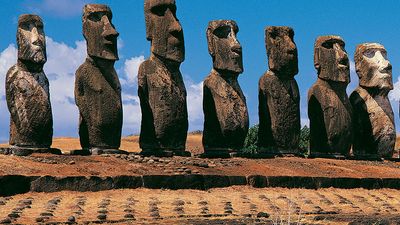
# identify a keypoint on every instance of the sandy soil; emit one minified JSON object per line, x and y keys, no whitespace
{"x":234,"y":205}
{"x":130,"y":143}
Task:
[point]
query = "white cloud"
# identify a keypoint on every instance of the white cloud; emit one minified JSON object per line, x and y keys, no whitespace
{"x":131,"y":68}
{"x":305,"y":122}
{"x":394,"y":95}
{"x":8,"y":57}
{"x":57,"y":8}
{"x":353,"y":78}
{"x":194,"y":104}
{"x":62,"y":62}
{"x":132,"y":114}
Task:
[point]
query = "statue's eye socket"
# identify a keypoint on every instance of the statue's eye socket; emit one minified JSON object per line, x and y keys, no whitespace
{"x":24,"y":26}
{"x":222,"y":32}
{"x":369,"y":53}
{"x":95,"y":17}
{"x":159,"y":10}
{"x":327,"y":44}
{"x":384,"y":54}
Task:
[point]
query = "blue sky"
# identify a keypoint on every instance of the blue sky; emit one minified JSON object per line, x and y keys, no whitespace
{"x":355,"y":21}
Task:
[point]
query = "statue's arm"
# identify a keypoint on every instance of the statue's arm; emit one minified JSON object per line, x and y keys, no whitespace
{"x":80,"y":91}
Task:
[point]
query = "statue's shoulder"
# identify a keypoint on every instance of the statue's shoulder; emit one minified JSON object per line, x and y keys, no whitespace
{"x":316,"y":90}
{"x":84,"y":69}
{"x":267,"y":80}
{"x":147,"y":67}
{"x":358,"y":96}
{"x":12,"y":72}
{"x":213,"y":81}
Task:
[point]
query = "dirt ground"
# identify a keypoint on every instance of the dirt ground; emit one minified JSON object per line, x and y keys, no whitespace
{"x":66,"y":165}
{"x":234,"y":205}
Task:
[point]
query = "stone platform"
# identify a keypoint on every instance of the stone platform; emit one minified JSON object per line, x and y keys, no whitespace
{"x":52,"y":173}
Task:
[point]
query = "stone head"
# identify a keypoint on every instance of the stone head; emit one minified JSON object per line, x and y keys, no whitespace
{"x":223,"y":45}
{"x":372,"y":66}
{"x":31,"y":40}
{"x":99,"y":32}
{"x":164,"y":30}
{"x":281,"y":51}
{"x":331,"y":60}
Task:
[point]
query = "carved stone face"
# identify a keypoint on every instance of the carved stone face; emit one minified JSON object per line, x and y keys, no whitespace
{"x":164,"y":30}
{"x":281,"y":51}
{"x":223,"y":45}
{"x":31,"y":39}
{"x":99,"y":32}
{"x":372,"y":66}
{"x":331,"y":60}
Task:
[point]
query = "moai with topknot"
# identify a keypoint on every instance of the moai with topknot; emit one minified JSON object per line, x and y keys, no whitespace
{"x":27,"y":91}
{"x":161,"y":89}
{"x":278,"y":94}
{"x":226,"y":119}
{"x":329,"y":108}
{"x":373,"y":119}
{"x":97,"y":87}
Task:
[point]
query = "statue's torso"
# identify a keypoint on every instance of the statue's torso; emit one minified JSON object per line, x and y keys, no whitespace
{"x":98,"y":97}
{"x":163,"y":101}
{"x":335,"y":125}
{"x":226,"y":119}
{"x":374,"y":127}
{"x":28,"y":100}
{"x":279,"y":112}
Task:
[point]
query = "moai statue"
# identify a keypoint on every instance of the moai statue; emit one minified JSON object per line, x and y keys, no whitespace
{"x":97,"y":87}
{"x":27,"y":91}
{"x":161,"y":89}
{"x":278,"y":95}
{"x":226,"y":119}
{"x":373,"y":119}
{"x":329,"y":108}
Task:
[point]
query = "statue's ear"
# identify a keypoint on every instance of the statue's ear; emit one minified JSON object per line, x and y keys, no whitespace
{"x":316,"y":59}
{"x":149,"y":28}
{"x":210,"y":42}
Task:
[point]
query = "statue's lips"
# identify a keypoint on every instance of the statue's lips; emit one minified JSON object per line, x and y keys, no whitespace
{"x":174,"y":41}
{"x":236,"y":52}
{"x":291,"y":52}
{"x":37,"y":47}
{"x":385,"y":76}
{"x":386,"y":70}
{"x":341,"y":66}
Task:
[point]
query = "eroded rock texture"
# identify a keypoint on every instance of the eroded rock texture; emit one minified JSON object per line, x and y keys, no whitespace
{"x":373,"y":119}
{"x":27,"y":88}
{"x":226,"y":120}
{"x":161,"y":89}
{"x":329,"y":108}
{"x":278,"y":94}
{"x":97,"y":87}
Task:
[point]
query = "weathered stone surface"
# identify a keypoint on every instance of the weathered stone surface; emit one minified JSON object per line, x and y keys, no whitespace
{"x":97,"y":87}
{"x":329,"y":108}
{"x":226,"y":119}
{"x":161,"y":89}
{"x":373,"y":119}
{"x":278,"y":94}
{"x":27,"y":88}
